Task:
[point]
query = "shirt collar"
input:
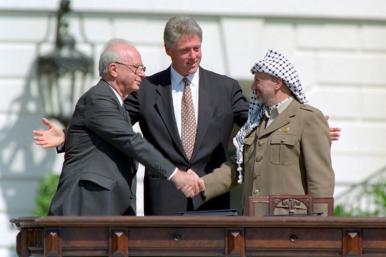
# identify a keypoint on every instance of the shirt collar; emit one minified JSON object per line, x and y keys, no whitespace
{"x":273,"y":111}
{"x":117,"y":95}
{"x":176,"y":78}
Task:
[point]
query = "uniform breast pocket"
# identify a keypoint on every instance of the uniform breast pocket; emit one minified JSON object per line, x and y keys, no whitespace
{"x":284,"y":149}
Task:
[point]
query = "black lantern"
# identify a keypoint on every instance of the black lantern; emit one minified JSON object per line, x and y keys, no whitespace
{"x":63,"y":72}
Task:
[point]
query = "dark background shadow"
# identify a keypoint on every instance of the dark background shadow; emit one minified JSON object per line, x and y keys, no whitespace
{"x":22,"y":163}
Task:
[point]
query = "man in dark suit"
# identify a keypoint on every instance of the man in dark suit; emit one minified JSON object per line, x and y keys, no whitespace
{"x":158,"y":106}
{"x":101,"y":146}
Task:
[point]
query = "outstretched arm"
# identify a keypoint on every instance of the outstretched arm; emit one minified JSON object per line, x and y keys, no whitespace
{"x":52,"y":137}
{"x":220,"y":181}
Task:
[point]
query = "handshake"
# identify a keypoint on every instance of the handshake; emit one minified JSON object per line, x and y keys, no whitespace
{"x":188,"y":182}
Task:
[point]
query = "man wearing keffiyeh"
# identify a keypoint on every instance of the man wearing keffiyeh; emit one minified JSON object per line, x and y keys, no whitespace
{"x":284,"y":147}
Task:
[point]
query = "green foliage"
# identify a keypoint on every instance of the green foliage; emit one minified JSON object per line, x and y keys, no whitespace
{"x":45,"y":192}
{"x":379,"y":192}
{"x":376,"y":192}
{"x":340,"y":210}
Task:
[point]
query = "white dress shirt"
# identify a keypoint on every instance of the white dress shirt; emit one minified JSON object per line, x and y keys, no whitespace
{"x":117,"y":95}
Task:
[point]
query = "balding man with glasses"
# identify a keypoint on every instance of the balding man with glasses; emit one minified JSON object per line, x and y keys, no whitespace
{"x":101,"y":146}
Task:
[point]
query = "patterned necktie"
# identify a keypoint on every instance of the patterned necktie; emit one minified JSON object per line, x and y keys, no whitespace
{"x":188,"y":120}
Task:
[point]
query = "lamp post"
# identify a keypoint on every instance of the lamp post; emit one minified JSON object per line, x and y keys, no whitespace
{"x":62,"y":73}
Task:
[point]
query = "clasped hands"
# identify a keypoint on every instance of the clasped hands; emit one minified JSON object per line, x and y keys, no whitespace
{"x":188,"y":182}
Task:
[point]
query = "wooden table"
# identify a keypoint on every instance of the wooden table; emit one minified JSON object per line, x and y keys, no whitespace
{"x":200,"y":236}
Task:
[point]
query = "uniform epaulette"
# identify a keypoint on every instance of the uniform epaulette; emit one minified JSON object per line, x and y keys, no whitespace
{"x":307,"y":107}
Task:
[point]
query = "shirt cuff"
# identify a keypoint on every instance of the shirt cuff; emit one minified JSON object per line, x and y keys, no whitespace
{"x":174,"y":173}
{"x":60,"y":148}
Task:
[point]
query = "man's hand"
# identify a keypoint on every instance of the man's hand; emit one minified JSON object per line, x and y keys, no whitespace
{"x":188,"y":182}
{"x":334,"y":132}
{"x":52,"y":137}
{"x":189,"y":191}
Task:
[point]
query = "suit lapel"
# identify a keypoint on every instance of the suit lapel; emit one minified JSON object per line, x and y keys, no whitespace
{"x":282,"y":120}
{"x":164,"y":107}
{"x":111,"y":93}
{"x":124,"y":113}
{"x":205,"y":110}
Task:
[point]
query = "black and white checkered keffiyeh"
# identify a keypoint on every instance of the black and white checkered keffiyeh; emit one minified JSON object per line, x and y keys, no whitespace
{"x":275,"y":64}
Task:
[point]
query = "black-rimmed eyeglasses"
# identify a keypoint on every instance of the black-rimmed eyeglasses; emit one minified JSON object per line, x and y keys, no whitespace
{"x":137,"y":67}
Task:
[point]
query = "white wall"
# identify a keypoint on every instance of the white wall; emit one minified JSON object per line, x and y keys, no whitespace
{"x":339,"y":48}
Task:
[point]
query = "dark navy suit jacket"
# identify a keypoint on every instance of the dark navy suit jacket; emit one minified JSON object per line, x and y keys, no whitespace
{"x":221,"y":104}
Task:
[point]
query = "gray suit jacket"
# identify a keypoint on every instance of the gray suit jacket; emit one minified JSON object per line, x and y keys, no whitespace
{"x":99,"y":165}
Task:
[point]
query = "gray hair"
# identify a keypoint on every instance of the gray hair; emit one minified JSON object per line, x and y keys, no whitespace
{"x":180,"y":25}
{"x":110,"y":55}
